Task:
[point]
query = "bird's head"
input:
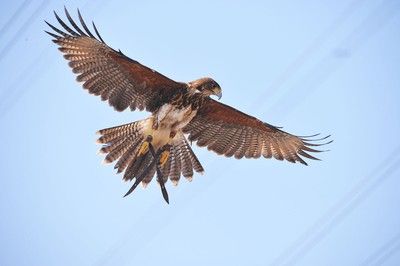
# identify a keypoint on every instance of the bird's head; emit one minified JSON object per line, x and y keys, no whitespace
{"x":206,"y":86}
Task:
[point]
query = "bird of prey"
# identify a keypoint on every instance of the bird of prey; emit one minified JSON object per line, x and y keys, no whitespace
{"x":181,"y":113}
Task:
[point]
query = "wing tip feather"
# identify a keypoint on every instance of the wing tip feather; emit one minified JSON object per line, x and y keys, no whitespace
{"x":76,"y":31}
{"x":305,"y":148}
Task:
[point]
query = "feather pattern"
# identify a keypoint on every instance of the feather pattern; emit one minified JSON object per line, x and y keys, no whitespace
{"x":175,"y":172}
{"x":230,"y":132}
{"x":122,"y":143}
{"x":125,"y":83}
{"x":121,"y":81}
{"x":129,"y":156}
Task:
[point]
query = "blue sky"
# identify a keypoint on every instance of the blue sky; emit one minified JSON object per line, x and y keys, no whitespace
{"x":309,"y":66}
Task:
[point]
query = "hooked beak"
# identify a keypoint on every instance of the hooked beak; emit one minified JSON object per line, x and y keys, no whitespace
{"x":217,"y":92}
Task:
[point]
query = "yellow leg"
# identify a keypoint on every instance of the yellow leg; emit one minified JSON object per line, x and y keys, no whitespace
{"x":144,"y":148}
{"x":164,"y":157}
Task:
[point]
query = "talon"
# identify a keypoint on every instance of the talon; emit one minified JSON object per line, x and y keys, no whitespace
{"x":144,"y":148}
{"x":164,"y":157}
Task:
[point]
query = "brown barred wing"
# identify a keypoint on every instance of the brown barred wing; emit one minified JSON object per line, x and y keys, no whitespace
{"x":110,"y":74}
{"x":230,"y":132}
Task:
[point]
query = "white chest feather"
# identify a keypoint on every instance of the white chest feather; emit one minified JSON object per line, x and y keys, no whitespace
{"x":169,"y":119}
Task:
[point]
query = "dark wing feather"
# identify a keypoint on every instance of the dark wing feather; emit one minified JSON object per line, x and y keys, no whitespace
{"x":110,"y":74}
{"x":230,"y":132}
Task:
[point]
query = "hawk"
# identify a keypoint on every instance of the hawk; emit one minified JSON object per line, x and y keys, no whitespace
{"x":181,"y":113}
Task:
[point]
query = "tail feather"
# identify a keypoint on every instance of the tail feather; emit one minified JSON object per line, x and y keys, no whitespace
{"x":175,"y":171}
{"x":129,"y":156}
{"x":109,"y":147}
{"x":147,"y":179}
{"x":137,"y":166}
{"x":195,"y":163}
{"x":119,"y":150}
{"x":128,"y":174}
{"x":113,"y":134}
{"x":166,"y":170}
{"x":126,"y":128}
{"x":122,"y":144}
{"x":186,"y":163}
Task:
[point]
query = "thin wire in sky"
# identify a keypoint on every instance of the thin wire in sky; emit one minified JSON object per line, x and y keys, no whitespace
{"x":378,"y":19}
{"x":167,"y":216}
{"x":340,"y":210}
{"x":14,"y":17}
{"x":384,"y":252}
{"x":136,"y":240}
{"x":19,"y":33}
{"x":371,"y":25}
{"x":307,"y":53}
{"x":388,"y":255}
{"x":19,"y":86}
{"x":37,"y":67}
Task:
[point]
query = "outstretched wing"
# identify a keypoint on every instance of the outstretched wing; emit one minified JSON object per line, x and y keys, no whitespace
{"x":230,"y":132}
{"x":110,"y":74}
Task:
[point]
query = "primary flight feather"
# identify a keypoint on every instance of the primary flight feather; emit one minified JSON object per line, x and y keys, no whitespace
{"x":158,"y":145}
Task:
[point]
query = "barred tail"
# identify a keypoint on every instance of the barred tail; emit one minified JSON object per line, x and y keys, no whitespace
{"x":122,"y":144}
{"x":182,"y":160}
